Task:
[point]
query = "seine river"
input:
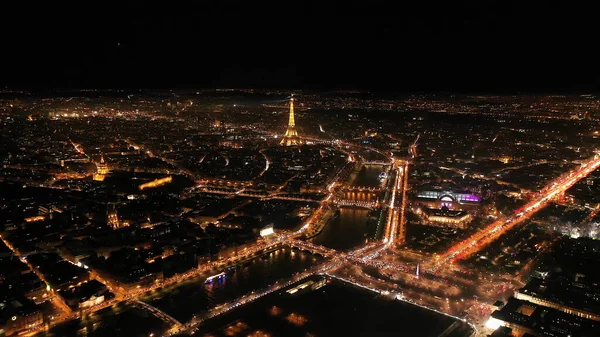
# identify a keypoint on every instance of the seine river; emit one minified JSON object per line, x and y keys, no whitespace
{"x":336,"y":309}
{"x":184,"y":300}
{"x":187,"y":299}
{"x":346,"y":231}
{"x":369,"y":176}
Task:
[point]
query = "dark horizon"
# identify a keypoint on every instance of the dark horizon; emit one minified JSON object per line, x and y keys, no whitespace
{"x":7,"y":90}
{"x":466,"y":47}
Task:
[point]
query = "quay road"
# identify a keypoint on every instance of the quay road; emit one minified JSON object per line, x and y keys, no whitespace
{"x":394,"y":229}
{"x":402,"y":229}
{"x":488,"y":234}
{"x":241,"y":193}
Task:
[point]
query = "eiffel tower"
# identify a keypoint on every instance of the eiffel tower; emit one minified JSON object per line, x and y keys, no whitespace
{"x":291,"y":135}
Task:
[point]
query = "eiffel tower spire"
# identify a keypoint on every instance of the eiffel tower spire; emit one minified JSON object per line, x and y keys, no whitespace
{"x":291,"y":135}
{"x":291,"y":122}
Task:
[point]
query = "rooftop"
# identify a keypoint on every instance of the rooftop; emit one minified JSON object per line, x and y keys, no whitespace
{"x":545,"y":321}
{"x":565,"y":292}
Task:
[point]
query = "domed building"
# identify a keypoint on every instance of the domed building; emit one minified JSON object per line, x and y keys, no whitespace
{"x":447,"y":195}
{"x":101,"y":170}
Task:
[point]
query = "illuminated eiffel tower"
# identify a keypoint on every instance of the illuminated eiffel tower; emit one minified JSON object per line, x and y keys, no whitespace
{"x":291,"y":135}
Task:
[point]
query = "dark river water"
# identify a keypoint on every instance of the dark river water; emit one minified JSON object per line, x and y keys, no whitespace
{"x":192,"y":297}
{"x":369,"y":176}
{"x":336,"y":309}
{"x":348,"y":230}
{"x":186,"y":299}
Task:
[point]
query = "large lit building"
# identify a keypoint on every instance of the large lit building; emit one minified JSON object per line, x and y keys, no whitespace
{"x":86,"y":295}
{"x":112,"y":219}
{"x":523,"y":317}
{"x":291,"y":135}
{"x":101,"y":170}
{"x":573,"y":298}
{"x":445,"y":217}
{"x":17,"y":315}
{"x":438,"y":198}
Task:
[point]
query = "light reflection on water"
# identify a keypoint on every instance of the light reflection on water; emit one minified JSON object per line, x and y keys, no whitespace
{"x":184,"y":300}
{"x":122,"y":320}
{"x":347,"y":231}
{"x":337,"y":309}
{"x":194,"y":296}
{"x":369,"y":176}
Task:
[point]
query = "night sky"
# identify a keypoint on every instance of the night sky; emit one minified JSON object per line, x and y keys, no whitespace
{"x":477,"y":46}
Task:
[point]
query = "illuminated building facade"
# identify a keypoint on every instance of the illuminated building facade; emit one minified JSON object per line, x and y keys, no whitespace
{"x":558,"y":306}
{"x":572,"y":299}
{"x":267,"y":231}
{"x":531,"y":319}
{"x":85,"y":295}
{"x":101,"y":170}
{"x":17,"y":315}
{"x":451,"y":199}
{"x":112,"y":219}
{"x":371,"y":133}
{"x":445,"y":207}
{"x":446,"y":218}
{"x":291,"y":135}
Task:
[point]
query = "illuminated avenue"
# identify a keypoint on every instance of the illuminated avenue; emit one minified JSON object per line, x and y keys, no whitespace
{"x":494,"y":230}
{"x":155,"y":211}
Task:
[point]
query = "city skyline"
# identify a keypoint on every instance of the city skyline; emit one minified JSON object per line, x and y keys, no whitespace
{"x":214,"y":211}
{"x":300,"y":169}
